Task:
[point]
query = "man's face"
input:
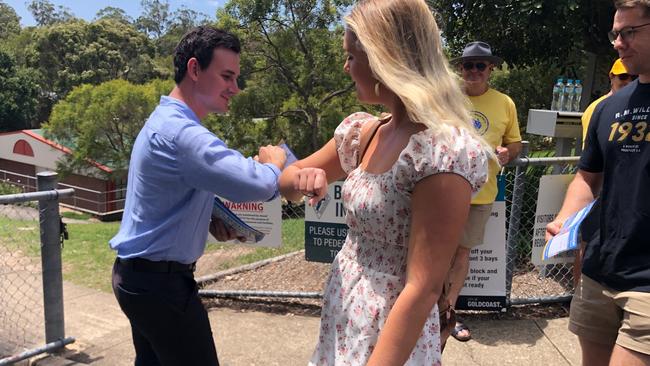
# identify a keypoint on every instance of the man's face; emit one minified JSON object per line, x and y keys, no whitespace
{"x":620,"y":81}
{"x":633,"y":48}
{"x":476,"y":73}
{"x":217,"y":83}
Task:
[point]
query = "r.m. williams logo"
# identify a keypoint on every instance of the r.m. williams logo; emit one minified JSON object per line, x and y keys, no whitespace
{"x":480,"y":122}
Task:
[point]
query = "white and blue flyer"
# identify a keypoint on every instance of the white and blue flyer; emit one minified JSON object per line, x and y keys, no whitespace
{"x":567,"y":238}
{"x":233,"y":221}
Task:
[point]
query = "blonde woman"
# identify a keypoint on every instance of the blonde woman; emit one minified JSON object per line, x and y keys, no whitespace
{"x":409,"y":179}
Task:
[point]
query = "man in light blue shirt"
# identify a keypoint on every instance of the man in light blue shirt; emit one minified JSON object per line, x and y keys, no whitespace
{"x":176,"y":168}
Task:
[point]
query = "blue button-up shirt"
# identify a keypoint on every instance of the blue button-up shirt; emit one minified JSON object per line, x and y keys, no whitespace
{"x":176,"y":168}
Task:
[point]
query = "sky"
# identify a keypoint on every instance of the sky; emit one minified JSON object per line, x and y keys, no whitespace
{"x":87,"y":10}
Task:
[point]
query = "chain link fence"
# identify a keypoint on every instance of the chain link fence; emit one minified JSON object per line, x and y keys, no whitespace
{"x":21,"y":303}
{"x":31,"y":304}
{"x":527,"y":282}
{"x":22,"y":308}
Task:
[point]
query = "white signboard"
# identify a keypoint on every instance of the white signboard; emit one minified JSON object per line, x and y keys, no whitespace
{"x":325,"y":228}
{"x":485,"y":284}
{"x":263,"y":216}
{"x":552,"y":189}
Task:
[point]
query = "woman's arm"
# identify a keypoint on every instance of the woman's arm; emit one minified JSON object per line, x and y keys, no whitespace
{"x":311,"y":175}
{"x":439,"y":207}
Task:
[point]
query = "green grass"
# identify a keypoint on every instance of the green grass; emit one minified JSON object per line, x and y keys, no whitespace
{"x":76,"y":215}
{"x":293,"y":239}
{"x":87,"y":258}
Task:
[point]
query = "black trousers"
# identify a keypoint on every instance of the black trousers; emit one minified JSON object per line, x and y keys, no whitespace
{"x":170,"y":326}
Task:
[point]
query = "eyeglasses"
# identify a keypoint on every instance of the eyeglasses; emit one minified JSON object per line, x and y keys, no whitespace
{"x":480,"y":66}
{"x":627,"y":33}
{"x":625,"y":77}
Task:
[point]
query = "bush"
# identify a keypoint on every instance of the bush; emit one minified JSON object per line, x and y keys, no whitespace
{"x":8,"y":188}
{"x":530,"y":88}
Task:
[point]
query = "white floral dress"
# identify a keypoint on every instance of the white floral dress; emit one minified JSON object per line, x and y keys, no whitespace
{"x":369,"y":272}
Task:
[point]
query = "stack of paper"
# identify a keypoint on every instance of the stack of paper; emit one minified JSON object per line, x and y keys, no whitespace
{"x":233,"y":222}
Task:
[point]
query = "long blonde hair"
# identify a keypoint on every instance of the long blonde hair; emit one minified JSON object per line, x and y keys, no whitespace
{"x":403,"y":45}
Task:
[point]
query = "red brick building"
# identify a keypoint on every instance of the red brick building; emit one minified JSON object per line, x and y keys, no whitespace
{"x":25,"y":153}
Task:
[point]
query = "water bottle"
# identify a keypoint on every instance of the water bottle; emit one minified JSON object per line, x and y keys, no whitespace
{"x":577,"y":95}
{"x":568,"y":96}
{"x":558,"y":90}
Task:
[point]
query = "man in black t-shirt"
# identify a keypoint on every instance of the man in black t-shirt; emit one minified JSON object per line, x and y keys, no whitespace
{"x":610,"y":311}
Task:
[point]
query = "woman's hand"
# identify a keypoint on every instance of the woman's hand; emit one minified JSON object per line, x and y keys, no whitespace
{"x":311,"y":182}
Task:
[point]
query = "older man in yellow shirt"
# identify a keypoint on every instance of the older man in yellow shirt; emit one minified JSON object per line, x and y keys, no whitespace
{"x":495,"y":118}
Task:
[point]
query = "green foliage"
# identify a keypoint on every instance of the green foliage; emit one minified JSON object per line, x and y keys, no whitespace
{"x":18,"y":95}
{"x":6,"y":188}
{"x":113,"y":13}
{"x":530,"y":32}
{"x":78,"y":52}
{"x":183,"y":20}
{"x":155,"y":19}
{"x":9,"y":21}
{"x":294,"y":84}
{"x":530,"y":88}
{"x":101,"y":122}
{"x":45,"y":13}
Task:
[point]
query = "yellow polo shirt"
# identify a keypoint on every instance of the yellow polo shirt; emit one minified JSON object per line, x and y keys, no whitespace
{"x":586,"y":117}
{"x":495,"y":118}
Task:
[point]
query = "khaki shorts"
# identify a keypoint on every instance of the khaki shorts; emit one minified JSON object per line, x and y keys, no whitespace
{"x":602,"y":315}
{"x":475,"y":226}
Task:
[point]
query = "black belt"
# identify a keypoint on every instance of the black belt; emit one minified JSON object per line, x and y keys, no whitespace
{"x":145,"y":265}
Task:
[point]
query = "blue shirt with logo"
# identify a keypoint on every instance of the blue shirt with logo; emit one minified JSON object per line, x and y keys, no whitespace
{"x":176,"y":168}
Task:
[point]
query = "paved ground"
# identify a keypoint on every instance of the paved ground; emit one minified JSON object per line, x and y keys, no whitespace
{"x":254,"y":338}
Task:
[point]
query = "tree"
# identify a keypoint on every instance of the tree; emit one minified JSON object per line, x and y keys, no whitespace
{"x":182,"y":20}
{"x":530,"y":32}
{"x":18,"y":95}
{"x":113,"y":13}
{"x":78,"y":52}
{"x":102,"y":121}
{"x":155,"y":19}
{"x":185,"y":18}
{"x":9,"y":21}
{"x":45,"y":13}
{"x":292,"y":72}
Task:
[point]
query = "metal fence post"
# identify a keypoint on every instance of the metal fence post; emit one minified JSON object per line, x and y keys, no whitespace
{"x":51,"y":259}
{"x":513,"y":221}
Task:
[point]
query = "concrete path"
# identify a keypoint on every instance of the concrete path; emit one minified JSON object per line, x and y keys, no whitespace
{"x":254,"y":338}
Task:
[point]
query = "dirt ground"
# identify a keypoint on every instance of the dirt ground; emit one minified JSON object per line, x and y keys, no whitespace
{"x":295,"y":274}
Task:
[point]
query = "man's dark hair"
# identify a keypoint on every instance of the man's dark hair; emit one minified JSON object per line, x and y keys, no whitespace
{"x":200,"y":43}
{"x":626,"y":4}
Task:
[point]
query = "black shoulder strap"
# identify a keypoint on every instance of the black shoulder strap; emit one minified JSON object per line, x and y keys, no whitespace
{"x":372,"y":133}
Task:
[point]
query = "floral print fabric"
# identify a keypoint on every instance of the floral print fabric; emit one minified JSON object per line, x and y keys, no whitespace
{"x":369,"y":272}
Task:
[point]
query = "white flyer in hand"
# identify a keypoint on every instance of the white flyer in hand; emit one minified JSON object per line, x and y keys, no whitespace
{"x":567,"y":238}
{"x":233,"y":221}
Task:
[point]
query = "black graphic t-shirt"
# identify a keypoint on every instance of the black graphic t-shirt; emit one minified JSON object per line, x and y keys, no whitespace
{"x":618,"y":145}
